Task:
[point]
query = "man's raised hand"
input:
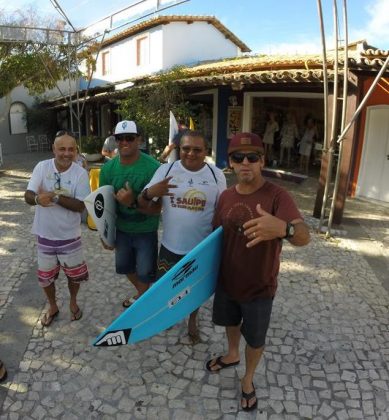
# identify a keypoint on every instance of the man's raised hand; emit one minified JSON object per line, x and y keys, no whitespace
{"x":263,"y":228}
{"x":161,"y":188}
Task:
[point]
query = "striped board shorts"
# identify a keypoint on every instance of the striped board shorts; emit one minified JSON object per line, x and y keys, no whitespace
{"x":68,"y":254}
{"x":166,"y":260}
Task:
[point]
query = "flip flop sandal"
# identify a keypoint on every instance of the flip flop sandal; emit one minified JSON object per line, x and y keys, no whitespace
{"x":3,"y":377}
{"x":76,"y":316}
{"x":220,"y":364}
{"x":127,"y":302}
{"x":48,"y":319}
{"x":247,"y":397}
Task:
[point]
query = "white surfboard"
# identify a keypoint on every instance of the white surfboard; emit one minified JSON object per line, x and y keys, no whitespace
{"x":101,"y":206}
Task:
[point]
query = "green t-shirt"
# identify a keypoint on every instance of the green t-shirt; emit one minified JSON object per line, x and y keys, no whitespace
{"x":138,"y":175}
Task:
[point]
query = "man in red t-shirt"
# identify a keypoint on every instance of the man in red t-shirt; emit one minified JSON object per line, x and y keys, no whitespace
{"x":256,"y":216}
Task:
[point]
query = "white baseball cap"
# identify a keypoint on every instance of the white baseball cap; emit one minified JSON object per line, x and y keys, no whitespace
{"x":125,"y":127}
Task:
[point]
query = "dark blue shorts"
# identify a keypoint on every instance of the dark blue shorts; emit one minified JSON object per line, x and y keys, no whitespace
{"x":137,"y":253}
{"x":254,"y":316}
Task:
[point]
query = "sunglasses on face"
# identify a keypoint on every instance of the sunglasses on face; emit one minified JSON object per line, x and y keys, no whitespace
{"x":252,"y":157}
{"x":126,"y":137}
{"x":188,"y":149}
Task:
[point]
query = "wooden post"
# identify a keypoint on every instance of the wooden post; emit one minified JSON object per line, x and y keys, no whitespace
{"x":345,"y":167}
{"x":345,"y":164}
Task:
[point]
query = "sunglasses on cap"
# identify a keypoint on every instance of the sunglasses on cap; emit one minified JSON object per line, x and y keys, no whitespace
{"x":61,"y":133}
{"x":126,"y":137}
{"x":252,"y":157}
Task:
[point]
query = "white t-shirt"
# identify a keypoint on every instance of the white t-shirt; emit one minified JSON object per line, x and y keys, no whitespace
{"x":187,"y":216}
{"x":56,"y":222}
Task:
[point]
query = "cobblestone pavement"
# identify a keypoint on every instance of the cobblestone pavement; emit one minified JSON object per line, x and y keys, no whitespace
{"x":327,"y":350}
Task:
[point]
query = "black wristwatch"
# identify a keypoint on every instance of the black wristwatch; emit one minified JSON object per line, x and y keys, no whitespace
{"x":145,"y":196}
{"x":289,"y":230}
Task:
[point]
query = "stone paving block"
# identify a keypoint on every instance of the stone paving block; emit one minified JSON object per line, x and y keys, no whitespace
{"x":320,"y":360}
{"x":290,"y":407}
{"x":276,"y":405}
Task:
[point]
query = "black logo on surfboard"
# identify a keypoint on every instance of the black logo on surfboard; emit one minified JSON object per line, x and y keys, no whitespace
{"x":114,"y":338}
{"x":185,"y":271}
{"x":99,"y":205}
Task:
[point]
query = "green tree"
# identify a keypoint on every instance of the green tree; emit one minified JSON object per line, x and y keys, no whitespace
{"x":149,"y":105}
{"x":36,"y":64}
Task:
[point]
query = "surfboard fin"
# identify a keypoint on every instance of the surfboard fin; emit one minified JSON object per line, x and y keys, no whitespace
{"x":113,"y":338}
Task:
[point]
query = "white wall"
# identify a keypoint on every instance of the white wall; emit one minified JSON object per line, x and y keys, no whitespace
{"x":189,"y":43}
{"x":123,"y":58}
{"x":13,"y":143}
{"x":374,"y":171}
{"x":176,"y":43}
{"x":16,"y":143}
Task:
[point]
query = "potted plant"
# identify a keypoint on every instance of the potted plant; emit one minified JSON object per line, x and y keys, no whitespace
{"x":91,"y":146}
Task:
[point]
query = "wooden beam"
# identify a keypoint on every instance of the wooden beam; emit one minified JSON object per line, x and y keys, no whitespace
{"x":345,"y":164}
{"x":345,"y":167}
{"x":324,"y":166}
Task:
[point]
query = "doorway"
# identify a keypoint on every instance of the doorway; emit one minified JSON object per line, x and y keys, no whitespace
{"x":374,"y":172}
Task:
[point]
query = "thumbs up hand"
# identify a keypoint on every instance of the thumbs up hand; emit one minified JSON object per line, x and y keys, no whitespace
{"x":263,"y":228}
{"x":125,"y":195}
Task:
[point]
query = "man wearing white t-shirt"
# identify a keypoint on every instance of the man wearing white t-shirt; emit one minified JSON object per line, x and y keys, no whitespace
{"x":189,"y":189}
{"x":57,"y":188}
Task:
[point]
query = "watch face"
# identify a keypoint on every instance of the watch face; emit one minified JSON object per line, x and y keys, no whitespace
{"x":289,"y":230}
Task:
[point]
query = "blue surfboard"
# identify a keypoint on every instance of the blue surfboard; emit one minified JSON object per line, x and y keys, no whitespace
{"x":184,"y":288}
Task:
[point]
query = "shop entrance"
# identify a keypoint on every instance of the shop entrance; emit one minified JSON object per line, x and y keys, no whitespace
{"x":204,"y":105}
{"x":291,"y":125}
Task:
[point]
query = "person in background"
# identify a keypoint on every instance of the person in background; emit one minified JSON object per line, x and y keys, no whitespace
{"x":307,"y":140}
{"x":143,"y":145}
{"x":256,"y":216}
{"x":186,"y":221}
{"x":289,"y":133}
{"x":57,"y":189}
{"x":136,"y":246}
{"x":109,"y":149}
{"x":268,"y":137}
{"x":175,"y":144}
{"x":80,"y":159}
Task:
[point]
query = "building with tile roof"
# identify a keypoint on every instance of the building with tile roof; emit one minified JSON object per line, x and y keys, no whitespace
{"x":236,"y":92}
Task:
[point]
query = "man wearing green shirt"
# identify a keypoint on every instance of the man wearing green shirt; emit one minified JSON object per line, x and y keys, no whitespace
{"x":136,"y":246}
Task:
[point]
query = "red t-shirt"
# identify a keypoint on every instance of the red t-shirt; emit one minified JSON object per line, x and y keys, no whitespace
{"x":249,"y":273}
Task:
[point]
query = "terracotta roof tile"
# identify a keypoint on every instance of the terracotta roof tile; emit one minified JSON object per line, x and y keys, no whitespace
{"x":164,"y":20}
{"x":275,"y":68}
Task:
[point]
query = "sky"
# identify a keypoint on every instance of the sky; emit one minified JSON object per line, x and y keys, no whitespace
{"x":267,"y":27}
